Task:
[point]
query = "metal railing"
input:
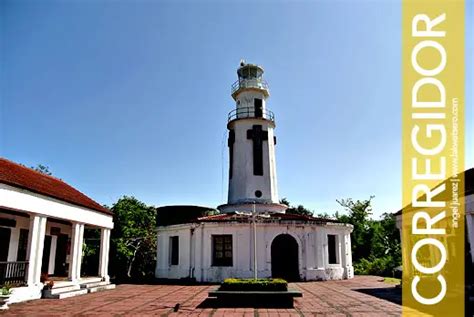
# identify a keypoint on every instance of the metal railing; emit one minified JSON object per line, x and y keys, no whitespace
{"x":249,"y":83}
{"x":13,"y":272}
{"x":249,"y":112}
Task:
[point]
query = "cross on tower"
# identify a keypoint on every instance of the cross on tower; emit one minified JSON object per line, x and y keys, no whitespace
{"x":257,"y":135}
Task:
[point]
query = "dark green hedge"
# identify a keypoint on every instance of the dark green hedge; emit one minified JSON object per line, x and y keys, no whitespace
{"x":234,"y":284}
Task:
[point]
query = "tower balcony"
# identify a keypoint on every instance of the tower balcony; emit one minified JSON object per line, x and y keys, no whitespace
{"x":249,"y":112}
{"x":246,"y":83}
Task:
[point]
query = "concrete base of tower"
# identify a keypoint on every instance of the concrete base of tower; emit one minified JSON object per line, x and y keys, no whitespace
{"x":248,"y":207}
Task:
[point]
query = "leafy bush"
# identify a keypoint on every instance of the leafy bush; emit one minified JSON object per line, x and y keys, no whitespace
{"x":234,"y":284}
{"x":383,"y":266}
{"x":5,"y":290}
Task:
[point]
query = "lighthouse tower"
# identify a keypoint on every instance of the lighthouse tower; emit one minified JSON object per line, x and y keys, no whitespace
{"x":251,"y":141}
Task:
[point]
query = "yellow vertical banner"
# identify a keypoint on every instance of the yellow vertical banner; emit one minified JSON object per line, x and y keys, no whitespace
{"x":433,"y":157}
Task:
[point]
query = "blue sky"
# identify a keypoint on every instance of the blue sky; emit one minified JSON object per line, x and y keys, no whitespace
{"x":131,"y":98}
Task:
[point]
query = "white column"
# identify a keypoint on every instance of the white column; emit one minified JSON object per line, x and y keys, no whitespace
{"x":319,"y":253}
{"x":76,"y":251}
{"x":104,"y":254}
{"x":35,"y":248}
{"x":346,"y":255}
{"x":52,"y":255}
{"x":13,"y":247}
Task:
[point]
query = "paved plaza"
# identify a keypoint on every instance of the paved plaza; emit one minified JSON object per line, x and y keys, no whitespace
{"x":361,"y":296}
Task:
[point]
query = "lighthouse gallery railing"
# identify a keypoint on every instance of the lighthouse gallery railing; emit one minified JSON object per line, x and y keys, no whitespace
{"x":249,"y":112}
{"x":249,"y":83}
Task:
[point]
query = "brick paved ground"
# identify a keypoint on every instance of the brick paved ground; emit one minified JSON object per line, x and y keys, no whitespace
{"x":332,"y":298}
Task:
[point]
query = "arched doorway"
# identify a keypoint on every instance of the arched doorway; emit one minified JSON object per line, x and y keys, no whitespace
{"x":285,"y":258}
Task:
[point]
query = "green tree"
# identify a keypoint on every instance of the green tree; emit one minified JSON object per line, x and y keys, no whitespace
{"x":391,"y":237}
{"x":324,"y":215}
{"x":298,"y":210}
{"x":375,"y":243}
{"x":358,"y":215}
{"x":133,"y":239}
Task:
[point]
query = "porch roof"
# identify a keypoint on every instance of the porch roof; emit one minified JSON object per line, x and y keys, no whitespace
{"x":16,"y":175}
{"x":468,"y":186}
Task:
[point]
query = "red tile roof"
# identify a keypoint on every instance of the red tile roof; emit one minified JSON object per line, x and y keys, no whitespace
{"x":271,"y":217}
{"x":16,"y":175}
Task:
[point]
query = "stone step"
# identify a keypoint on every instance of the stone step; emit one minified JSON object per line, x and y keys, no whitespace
{"x":67,"y":294}
{"x":94,"y":284}
{"x":62,"y":289}
{"x":101,"y":288}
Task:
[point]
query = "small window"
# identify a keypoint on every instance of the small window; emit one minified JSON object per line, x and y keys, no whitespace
{"x":332,"y":249}
{"x":258,"y":104}
{"x":258,"y":193}
{"x":174,"y":250}
{"x":222,"y":250}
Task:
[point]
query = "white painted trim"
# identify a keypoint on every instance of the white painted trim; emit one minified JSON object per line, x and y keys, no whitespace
{"x":104,"y":254}
{"x":76,"y":251}
{"x":52,"y":255}
{"x":13,"y":247}
{"x":35,"y":248}
{"x":21,"y":199}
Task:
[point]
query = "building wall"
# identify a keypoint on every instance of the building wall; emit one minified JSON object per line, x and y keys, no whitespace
{"x":469,"y":211}
{"x":195,"y":254}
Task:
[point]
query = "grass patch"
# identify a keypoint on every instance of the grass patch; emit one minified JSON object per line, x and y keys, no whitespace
{"x":261,"y":284}
{"x":391,"y":280}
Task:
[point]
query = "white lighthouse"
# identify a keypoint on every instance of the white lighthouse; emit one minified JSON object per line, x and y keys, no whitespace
{"x":251,"y":141}
{"x":198,"y":243}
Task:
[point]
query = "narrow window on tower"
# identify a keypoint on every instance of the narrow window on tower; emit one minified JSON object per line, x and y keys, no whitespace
{"x":174,"y":250}
{"x":230,"y":143}
{"x":332,"y":249}
{"x":258,"y":104}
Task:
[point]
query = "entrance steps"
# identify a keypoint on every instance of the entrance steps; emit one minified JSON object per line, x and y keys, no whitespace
{"x":93,"y":287}
{"x":70,"y":289}
{"x":60,"y":292}
{"x":101,"y":288}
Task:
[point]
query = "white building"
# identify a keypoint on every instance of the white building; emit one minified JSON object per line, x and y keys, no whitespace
{"x":209,"y":248}
{"x":468,"y":196}
{"x":42,"y":223}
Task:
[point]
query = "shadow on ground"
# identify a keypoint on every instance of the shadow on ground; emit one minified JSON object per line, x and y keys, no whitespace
{"x":392,"y":294}
{"x":155,"y":281}
{"x":211,"y":302}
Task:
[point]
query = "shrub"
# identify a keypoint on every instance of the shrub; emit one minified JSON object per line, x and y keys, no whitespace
{"x":5,"y":290}
{"x":375,"y":266}
{"x":233,"y":284}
